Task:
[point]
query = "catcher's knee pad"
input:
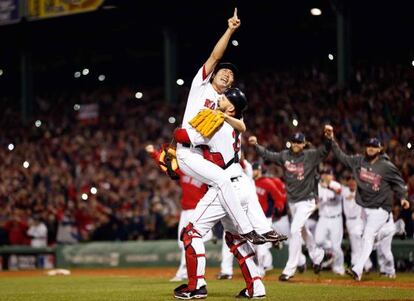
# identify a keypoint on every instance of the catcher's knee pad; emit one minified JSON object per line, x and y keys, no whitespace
{"x":188,"y":233}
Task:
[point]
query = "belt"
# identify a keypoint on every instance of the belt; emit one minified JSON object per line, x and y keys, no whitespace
{"x":352,"y":218}
{"x":188,"y":145}
{"x":234,"y":179}
{"x":333,"y":216}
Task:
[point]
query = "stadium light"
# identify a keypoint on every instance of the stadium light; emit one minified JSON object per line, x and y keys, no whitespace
{"x":409,"y":145}
{"x":101,"y":78}
{"x":315,"y":11}
{"x":84,"y":196}
{"x":1,"y":72}
{"x":38,"y":123}
{"x":235,"y":43}
{"x":180,"y":82}
{"x":26,"y":164}
{"x":85,"y":71}
{"x":171,"y":119}
{"x":94,"y":190}
{"x":288,"y":144}
{"x":77,"y":74}
{"x":76,"y":107}
{"x":412,"y":63}
{"x":295,"y":122}
{"x":330,"y":57}
{"x":139,"y":95}
{"x":10,"y":147}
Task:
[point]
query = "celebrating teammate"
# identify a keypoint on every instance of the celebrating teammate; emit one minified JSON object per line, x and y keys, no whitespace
{"x":208,"y":85}
{"x":376,"y":179}
{"x":300,"y":168}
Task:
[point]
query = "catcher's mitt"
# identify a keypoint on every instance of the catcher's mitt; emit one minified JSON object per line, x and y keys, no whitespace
{"x":168,"y":162}
{"x":207,"y":122}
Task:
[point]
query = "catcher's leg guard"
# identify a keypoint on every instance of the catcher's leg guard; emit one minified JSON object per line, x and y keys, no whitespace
{"x":195,"y":257}
{"x":245,"y":255}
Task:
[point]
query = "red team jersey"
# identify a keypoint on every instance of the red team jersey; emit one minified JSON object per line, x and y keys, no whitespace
{"x":192,"y":190}
{"x":271,"y":193}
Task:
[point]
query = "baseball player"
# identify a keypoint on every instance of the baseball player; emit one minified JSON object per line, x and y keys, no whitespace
{"x":191,"y":192}
{"x":208,"y":85}
{"x":209,"y":210}
{"x":353,"y":221}
{"x":300,"y":171}
{"x":376,"y":179}
{"x":271,"y":199}
{"x":329,"y":226}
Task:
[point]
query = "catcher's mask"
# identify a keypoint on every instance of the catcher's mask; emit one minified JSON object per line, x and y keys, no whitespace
{"x":168,"y":161}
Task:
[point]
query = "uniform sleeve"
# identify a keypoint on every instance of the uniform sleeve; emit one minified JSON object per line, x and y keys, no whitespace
{"x":275,"y":157}
{"x":277,"y":196}
{"x":319,"y":154}
{"x":201,"y":77}
{"x":349,"y":161}
{"x":393,"y":176}
{"x":196,"y":138}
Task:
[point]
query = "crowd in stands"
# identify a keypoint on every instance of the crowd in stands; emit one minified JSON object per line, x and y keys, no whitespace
{"x":91,"y":179}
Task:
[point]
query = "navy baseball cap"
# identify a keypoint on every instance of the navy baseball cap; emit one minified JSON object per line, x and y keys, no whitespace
{"x":256,"y":166}
{"x":298,"y":138}
{"x":327,"y":170}
{"x":373,"y":142}
{"x":227,"y":65}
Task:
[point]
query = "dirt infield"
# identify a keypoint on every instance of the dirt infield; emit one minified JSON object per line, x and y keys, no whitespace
{"x":210,"y":275}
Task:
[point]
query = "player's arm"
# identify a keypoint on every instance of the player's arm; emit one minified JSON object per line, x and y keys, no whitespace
{"x":263,"y":152}
{"x":237,"y":124}
{"x":349,"y":161}
{"x":397,"y":185}
{"x":277,"y":196}
{"x":220,"y":48}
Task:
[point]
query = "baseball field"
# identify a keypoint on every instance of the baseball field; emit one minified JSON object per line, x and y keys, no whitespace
{"x":153,"y":284}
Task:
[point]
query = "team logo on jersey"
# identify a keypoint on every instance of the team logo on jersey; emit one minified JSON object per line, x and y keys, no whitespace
{"x":296,"y":169}
{"x":210,"y":104}
{"x":371,"y":178}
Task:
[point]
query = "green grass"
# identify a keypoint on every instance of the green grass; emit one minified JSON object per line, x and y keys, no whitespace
{"x":152,"y":287}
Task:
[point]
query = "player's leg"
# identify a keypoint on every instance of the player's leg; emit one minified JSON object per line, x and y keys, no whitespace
{"x":226,"y":266}
{"x":245,"y":257}
{"x":193,"y":164}
{"x":300,"y":212}
{"x":384,"y":252}
{"x":375,"y":219}
{"x":337,"y":233}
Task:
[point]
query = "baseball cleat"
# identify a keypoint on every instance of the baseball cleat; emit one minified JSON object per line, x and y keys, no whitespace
{"x":274,"y":237}
{"x":284,"y":277}
{"x":183,"y":293}
{"x":254,"y":238}
{"x":302,"y":268}
{"x":245,"y":295}
{"x":223,"y":276}
{"x":387,"y":275}
{"x":353,"y":274}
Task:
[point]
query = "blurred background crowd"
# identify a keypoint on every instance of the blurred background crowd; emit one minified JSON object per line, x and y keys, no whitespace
{"x":83,"y":171}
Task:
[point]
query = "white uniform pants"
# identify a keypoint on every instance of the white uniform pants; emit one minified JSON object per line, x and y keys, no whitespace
{"x":375,"y":219}
{"x":300,"y":213}
{"x":194,"y":165}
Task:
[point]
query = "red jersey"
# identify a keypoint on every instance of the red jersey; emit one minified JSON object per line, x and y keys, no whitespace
{"x":271,"y":193}
{"x":192,"y":190}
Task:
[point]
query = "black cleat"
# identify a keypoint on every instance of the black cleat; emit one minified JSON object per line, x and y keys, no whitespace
{"x":254,"y":238}
{"x":274,"y":237}
{"x":222,"y":276}
{"x":353,"y":274}
{"x":245,"y":295}
{"x":302,"y":268}
{"x":284,"y":277}
{"x":183,"y":293}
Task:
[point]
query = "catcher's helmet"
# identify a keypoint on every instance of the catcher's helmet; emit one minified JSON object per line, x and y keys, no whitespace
{"x":238,"y":99}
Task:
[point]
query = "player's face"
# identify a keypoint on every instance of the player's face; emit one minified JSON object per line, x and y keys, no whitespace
{"x":352,"y":185}
{"x":297,"y":147}
{"x":224,"y":78}
{"x":372,"y":151}
{"x":225,"y":105}
{"x":257,"y":173}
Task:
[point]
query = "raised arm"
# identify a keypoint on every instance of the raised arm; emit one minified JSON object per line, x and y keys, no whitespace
{"x":345,"y":159}
{"x":264,"y":153}
{"x":220,"y":48}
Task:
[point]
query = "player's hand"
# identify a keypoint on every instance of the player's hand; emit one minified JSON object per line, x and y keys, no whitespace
{"x":234,"y":22}
{"x":405,"y":204}
{"x":150,"y":148}
{"x":328,"y":132}
{"x":252,"y":140}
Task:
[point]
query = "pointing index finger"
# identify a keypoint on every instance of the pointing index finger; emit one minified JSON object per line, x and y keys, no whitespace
{"x":235,"y":12}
